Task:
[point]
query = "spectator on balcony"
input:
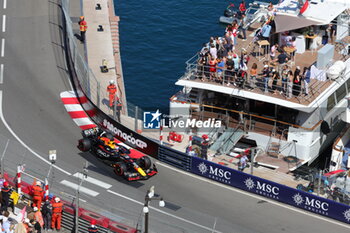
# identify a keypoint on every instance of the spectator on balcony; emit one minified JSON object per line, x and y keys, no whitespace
{"x":275,"y":77}
{"x":7,"y":227}
{"x":284,"y":74}
{"x":236,"y":62}
{"x":273,"y":51}
{"x":266,"y":77}
{"x":234,"y":32}
{"x":220,"y":69}
{"x":212,"y":68}
{"x":306,"y":79}
{"x":297,"y":81}
{"x":290,"y":84}
{"x":5,"y":196}
{"x":213,"y":51}
{"x":227,"y":47}
{"x":229,"y":73}
{"x":253,"y":73}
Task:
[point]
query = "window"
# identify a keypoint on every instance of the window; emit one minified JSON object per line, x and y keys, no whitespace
{"x":340,"y":93}
{"x":330,"y":102}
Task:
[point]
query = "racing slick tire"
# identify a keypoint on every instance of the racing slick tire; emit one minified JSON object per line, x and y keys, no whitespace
{"x":84,"y":144}
{"x":120,"y":168}
{"x":144,"y":162}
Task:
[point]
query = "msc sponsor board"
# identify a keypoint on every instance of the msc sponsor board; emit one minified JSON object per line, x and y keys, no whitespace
{"x":271,"y":190}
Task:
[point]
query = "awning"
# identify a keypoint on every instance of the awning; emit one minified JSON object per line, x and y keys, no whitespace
{"x":319,"y":12}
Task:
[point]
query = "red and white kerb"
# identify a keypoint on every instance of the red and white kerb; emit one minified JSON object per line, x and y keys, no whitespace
{"x":76,"y":111}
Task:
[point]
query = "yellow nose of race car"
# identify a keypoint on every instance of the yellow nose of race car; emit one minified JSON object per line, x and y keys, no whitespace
{"x":140,"y":170}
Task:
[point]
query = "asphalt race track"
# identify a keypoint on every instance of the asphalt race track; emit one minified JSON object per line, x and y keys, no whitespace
{"x":33,"y":73}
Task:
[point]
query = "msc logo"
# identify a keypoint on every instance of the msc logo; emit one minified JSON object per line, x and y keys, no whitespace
{"x":312,"y":204}
{"x":151,"y":120}
{"x":262,"y":188}
{"x":215,"y":173}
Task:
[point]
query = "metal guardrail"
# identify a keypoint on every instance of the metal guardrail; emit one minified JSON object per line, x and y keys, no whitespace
{"x":175,"y":158}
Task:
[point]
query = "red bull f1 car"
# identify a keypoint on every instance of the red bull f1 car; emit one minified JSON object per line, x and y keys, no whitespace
{"x":127,"y":163}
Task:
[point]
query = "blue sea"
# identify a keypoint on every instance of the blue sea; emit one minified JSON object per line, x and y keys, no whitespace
{"x":157,"y":38}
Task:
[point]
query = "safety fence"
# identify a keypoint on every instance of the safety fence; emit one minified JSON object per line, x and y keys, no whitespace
{"x":195,"y":165}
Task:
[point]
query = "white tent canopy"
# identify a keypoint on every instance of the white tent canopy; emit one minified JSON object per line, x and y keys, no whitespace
{"x":319,"y":12}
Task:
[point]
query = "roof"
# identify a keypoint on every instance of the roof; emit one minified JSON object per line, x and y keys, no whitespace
{"x":319,"y":12}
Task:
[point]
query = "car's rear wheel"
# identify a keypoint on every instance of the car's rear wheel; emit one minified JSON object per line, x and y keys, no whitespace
{"x":120,"y":168}
{"x":84,"y":144}
{"x":144,"y":162}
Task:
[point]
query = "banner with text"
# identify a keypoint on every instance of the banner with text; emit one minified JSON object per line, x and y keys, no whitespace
{"x":269,"y":189}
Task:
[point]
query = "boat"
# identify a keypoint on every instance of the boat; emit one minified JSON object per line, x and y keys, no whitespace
{"x":289,"y":130}
{"x":257,"y":10}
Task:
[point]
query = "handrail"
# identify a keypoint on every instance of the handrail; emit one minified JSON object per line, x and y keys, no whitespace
{"x":257,"y":116}
{"x":339,"y":138}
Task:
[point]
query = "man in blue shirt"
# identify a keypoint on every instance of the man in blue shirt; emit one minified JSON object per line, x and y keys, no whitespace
{"x":265,"y":31}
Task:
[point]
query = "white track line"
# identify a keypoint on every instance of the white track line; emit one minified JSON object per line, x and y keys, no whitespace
{"x":5,"y":4}
{"x":3,"y":23}
{"x":3,"y":47}
{"x":256,"y":196}
{"x":93,"y":181}
{"x":81,"y":189}
{"x":23,"y":144}
{"x":1,"y":73}
{"x":165,"y":213}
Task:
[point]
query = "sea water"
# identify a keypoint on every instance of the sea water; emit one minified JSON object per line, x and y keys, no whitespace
{"x":157,"y":38}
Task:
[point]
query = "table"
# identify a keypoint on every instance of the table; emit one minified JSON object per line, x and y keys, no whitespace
{"x":262,"y":43}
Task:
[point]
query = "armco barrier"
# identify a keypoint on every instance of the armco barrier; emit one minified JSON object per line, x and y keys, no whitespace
{"x":271,"y":190}
{"x":174,"y":158}
{"x":100,"y":220}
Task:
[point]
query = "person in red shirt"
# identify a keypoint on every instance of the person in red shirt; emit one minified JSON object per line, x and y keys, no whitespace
{"x":82,"y":28}
{"x":242,"y":8}
{"x":38,"y":194}
{"x":57,"y":208}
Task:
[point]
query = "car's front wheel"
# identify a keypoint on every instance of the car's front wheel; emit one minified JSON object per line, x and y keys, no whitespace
{"x":84,"y":144}
{"x":144,"y":162}
{"x":120,"y":168}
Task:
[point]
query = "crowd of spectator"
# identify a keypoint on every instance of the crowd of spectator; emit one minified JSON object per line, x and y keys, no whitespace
{"x":221,"y":61}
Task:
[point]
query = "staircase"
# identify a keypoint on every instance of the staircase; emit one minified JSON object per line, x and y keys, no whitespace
{"x":273,"y":149}
{"x":227,"y":140}
{"x":114,"y":21}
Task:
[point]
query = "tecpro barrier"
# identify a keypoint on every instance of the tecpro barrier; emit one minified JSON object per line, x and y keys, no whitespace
{"x":271,"y":190}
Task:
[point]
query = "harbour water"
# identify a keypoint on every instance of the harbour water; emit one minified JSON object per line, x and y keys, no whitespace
{"x":157,"y":38}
